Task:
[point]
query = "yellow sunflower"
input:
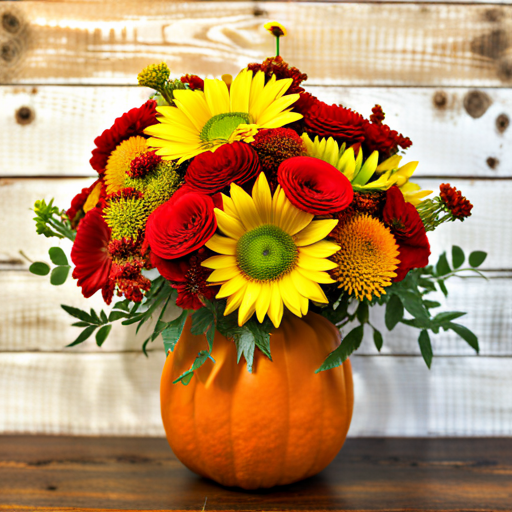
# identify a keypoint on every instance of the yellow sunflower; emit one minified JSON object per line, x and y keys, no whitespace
{"x":273,"y":254}
{"x":383,"y":175}
{"x":203,"y":121}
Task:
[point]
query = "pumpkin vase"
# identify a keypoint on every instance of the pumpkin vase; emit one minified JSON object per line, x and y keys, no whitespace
{"x":277,"y":425}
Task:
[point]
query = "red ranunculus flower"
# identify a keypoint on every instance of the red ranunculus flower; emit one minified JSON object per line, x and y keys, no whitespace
{"x":335,"y":121}
{"x":188,"y":277}
{"x":129,"y":124}
{"x":90,"y":254}
{"x":181,"y":225}
{"x":314,"y":186}
{"x":210,"y":172}
{"x":405,"y":223}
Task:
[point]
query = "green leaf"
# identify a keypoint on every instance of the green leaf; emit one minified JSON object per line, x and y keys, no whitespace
{"x":418,"y":323}
{"x":427,"y":284}
{"x":123,"y":305}
{"x":59,"y":275}
{"x":414,"y":305}
{"x":261,"y":336}
{"x":442,"y":287}
{"x":431,"y":304}
{"x":77,"y":313}
{"x":83,"y":335}
{"x":442,"y":267}
{"x":133,"y":319}
{"x":103,"y":316}
{"x":363,"y":313}
{"x":57,"y":256}
{"x":203,"y":322}
{"x":171,"y":334}
{"x":102,"y":334}
{"x":245,"y":344}
{"x":447,"y":316}
{"x":81,"y":324}
{"x":201,"y":358}
{"x":377,"y":339}
{"x":425,"y":347}
{"x":468,"y":336}
{"x":95,"y":317}
{"x":39,"y":268}
{"x":116,"y":315}
{"x":458,"y":256}
{"x":476,"y":258}
{"x":394,"y":312}
{"x":349,"y":343}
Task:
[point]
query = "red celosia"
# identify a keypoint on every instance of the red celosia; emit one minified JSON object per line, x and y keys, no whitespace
{"x":129,"y":124}
{"x":210,"y":172}
{"x":453,"y":199}
{"x":380,"y":137}
{"x":341,"y":123}
{"x":181,"y":225}
{"x":406,"y":225}
{"x":126,"y":193}
{"x":193,"y":81}
{"x":314,"y":186}
{"x":142,"y":165}
{"x":275,"y":146}
{"x":279,"y":67}
{"x":129,"y":280}
{"x":188,"y":277}
{"x":90,"y":254}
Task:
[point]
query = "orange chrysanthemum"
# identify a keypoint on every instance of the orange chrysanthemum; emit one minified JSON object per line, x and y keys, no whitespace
{"x":367,"y":259}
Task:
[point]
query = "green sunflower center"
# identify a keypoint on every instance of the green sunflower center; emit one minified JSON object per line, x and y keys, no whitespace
{"x":266,"y":253}
{"x":223,"y":125}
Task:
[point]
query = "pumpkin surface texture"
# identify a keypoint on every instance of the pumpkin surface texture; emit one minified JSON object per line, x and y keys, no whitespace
{"x":280,"y":424}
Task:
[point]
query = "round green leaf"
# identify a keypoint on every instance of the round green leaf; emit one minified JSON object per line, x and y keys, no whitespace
{"x":457,"y":256}
{"x":39,"y":268}
{"x":57,"y":256}
{"x":59,"y":275}
{"x":476,"y":258}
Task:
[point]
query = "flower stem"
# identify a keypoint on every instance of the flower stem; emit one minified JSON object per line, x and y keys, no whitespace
{"x":277,"y":46}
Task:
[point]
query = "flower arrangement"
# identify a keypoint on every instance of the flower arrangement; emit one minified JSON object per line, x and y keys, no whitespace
{"x":245,"y":199}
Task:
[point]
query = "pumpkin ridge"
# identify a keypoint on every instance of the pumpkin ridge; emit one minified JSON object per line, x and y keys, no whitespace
{"x":287,"y":443}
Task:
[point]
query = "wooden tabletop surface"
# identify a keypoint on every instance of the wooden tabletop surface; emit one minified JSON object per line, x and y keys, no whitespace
{"x":54,"y":473}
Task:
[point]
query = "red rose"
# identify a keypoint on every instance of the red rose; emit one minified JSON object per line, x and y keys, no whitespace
{"x":314,"y":186}
{"x":405,"y":223}
{"x":129,"y":124}
{"x":181,"y":225}
{"x":230,"y":163}
{"x":335,"y":121}
{"x":188,"y":277}
{"x":90,"y":254}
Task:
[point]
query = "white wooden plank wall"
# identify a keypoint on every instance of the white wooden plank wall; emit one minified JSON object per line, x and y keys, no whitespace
{"x":443,"y":74}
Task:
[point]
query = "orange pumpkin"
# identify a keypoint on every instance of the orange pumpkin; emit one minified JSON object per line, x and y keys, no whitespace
{"x":275,"y":426}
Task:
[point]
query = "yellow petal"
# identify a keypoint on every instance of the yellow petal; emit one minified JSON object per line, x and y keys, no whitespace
{"x":310,"y":263}
{"x":245,"y":207}
{"x":229,"y":225}
{"x":290,"y":295}
{"x":316,"y":275}
{"x":292,"y":219}
{"x":263,"y":301}
{"x":229,"y":206}
{"x":308,"y":288}
{"x":219,"y":262}
{"x":315,"y":231}
{"x":322,"y":249}
{"x":304,"y":305}
{"x":275,"y":309}
{"x":232,"y":286}
{"x":217,"y":96}
{"x":367,"y":170}
{"x":234,"y":301}
{"x":222,"y":275}
{"x":248,"y":305}
{"x":222,"y":245}
{"x":389,"y":164}
{"x":263,"y":199}
{"x":193,"y":106}
{"x":240,"y":91}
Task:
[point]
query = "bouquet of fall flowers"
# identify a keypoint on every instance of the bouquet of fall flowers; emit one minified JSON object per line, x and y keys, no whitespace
{"x":244,"y":199}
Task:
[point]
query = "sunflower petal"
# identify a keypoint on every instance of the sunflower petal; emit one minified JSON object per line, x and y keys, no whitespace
{"x":316,"y":275}
{"x":222,"y":245}
{"x":222,"y":275}
{"x":234,"y":301}
{"x":310,"y":263}
{"x":322,"y":249}
{"x":275,"y":309}
{"x":244,"y":204}
{"x":219,"y":262}
{"x":290,"y":295}
{"x":308,"y":288}
{"x":217,"y":96}
{"x":232,"y":286}
{"x":263,"y":301}
{"x":248,"y":305}
{"x":262,"y":198}
{"x":229,"y":225}
{"x":315,"y":231}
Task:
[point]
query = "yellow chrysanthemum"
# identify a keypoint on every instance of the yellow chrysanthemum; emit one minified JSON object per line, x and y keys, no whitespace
{"x":367,"y":259}
{"x":273,"y":254}
{"x":119,"y":162}
{"x":368,"y":176}
{"x":203,"y":121}
{"x":275,"y":28}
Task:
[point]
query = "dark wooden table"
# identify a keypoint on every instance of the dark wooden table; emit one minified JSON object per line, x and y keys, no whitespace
{"x":83,"y":473}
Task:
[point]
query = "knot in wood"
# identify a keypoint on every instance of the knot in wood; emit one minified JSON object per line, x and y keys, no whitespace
{"x":476,"y":103}
{"x":10,"y":23}
{"x":502,"y":122}
{"x":25,"y":115}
